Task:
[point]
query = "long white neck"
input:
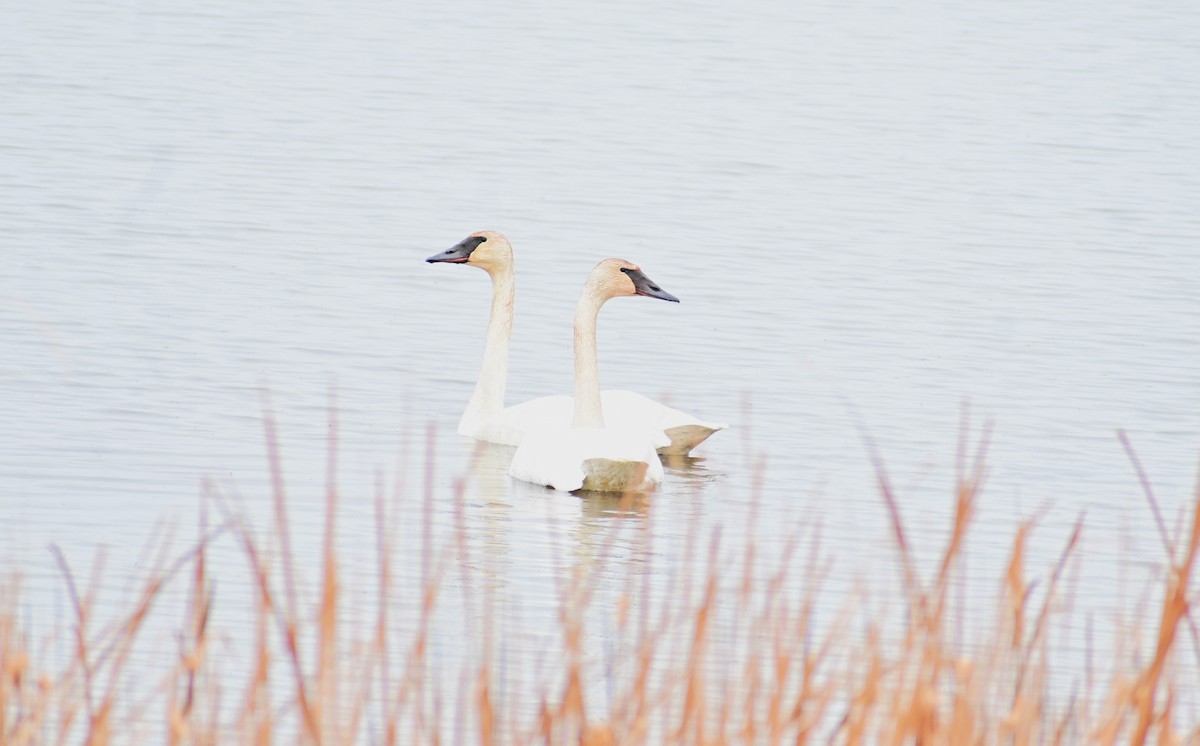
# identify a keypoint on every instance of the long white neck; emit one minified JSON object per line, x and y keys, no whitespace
{"x":488,"y":399}
{"x":588,"y":412}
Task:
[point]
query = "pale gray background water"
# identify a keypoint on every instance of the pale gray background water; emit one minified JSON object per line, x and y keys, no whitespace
{"x":870,"y":211}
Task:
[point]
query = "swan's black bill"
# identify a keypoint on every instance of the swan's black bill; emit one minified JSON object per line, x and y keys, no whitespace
{"x":460,"y":252}
{"x":643,"y":285}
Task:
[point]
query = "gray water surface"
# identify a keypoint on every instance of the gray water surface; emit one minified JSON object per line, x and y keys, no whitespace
{"x":874,"y":215}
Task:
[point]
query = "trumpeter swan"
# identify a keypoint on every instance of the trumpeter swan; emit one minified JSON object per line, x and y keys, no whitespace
{"x":486,"y":417}
{"x":587,"y":455}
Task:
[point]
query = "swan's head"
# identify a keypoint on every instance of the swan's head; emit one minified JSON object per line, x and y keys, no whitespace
{"x":614,"y":277}
{"x":487,"y":250}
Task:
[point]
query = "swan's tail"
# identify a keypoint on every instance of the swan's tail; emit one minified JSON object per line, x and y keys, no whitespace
{"x":686,"y":437}
{"x":613,"y":475}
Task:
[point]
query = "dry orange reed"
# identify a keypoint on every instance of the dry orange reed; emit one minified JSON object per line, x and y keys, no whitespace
{"x":790,"y":681}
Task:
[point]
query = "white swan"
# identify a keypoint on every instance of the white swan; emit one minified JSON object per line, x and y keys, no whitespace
{"x":486,"y":418}
{"x":587,"y":455}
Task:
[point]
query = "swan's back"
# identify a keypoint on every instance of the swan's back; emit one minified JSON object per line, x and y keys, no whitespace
{"x":513,"y":424}
{"x":632,"y":410}
{"x":622,"y":409}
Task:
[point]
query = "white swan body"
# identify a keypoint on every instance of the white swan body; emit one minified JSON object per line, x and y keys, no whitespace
{"x":627,"y":409}
{"x":486,"y":418}
{"x":596,"y":459}
{"x":587,"y":455}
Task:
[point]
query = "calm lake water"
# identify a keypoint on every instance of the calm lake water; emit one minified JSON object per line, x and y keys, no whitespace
{"x":874,"y":215}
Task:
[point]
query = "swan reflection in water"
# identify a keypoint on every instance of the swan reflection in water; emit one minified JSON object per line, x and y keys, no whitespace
{"x":531,"y":548}
{"x":499,"y":506}
{"x":488,"y":512}
{"x":691,"y":474}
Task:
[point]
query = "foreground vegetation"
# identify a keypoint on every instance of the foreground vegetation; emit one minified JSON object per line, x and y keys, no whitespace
{"x":781,"y":676}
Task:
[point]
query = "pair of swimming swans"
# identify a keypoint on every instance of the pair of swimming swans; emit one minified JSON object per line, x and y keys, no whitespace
{"x":606,"y":440}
